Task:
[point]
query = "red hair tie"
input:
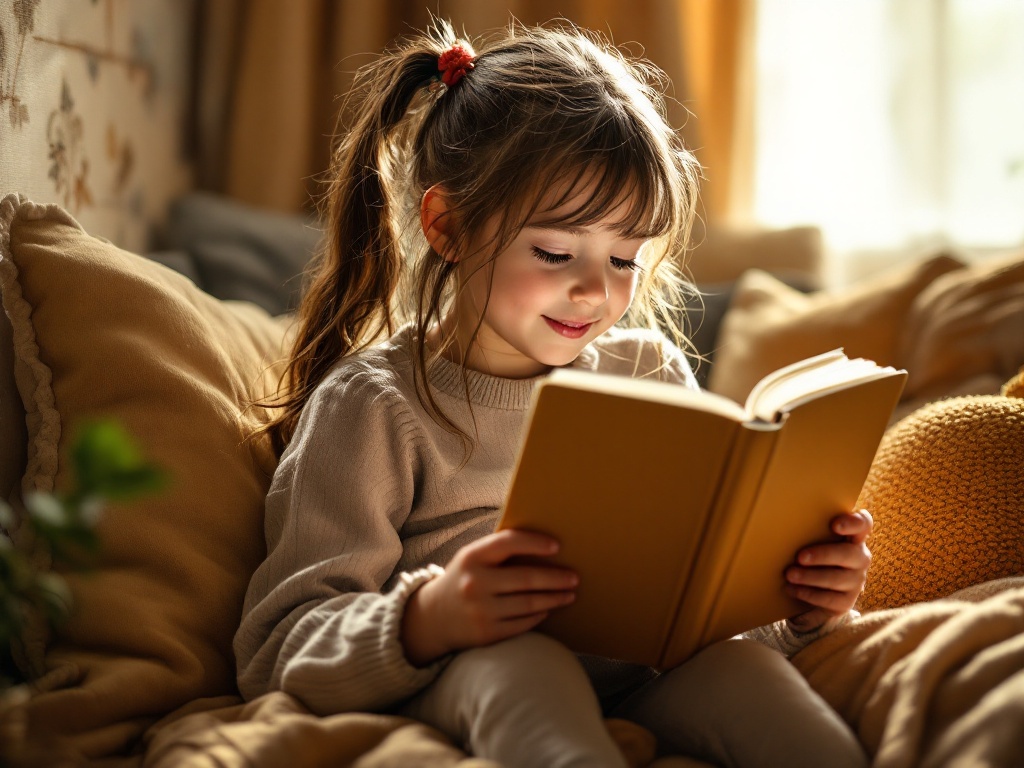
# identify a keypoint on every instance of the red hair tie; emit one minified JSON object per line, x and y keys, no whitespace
{"x":455,"y":62}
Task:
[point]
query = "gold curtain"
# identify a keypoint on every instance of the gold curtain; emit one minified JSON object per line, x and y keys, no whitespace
{"x":271,"y":76}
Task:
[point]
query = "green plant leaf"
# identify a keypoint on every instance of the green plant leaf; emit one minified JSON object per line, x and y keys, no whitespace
{"x":108,"y":464}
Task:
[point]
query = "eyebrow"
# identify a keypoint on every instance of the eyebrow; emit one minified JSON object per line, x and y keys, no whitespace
{"x":558,"y":227}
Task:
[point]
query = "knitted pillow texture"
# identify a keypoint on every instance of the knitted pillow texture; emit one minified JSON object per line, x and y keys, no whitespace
{"x":100,"y":332}
{"x":946,"y":491}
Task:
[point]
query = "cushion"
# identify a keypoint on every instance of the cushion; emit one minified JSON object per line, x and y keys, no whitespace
{"x":100,"y":332}
{"x":968,"y":322}
{"x":722,"y":254}
{"x":242,"y":252}
{"x":770,"y":325}
{"x":946,"y":491}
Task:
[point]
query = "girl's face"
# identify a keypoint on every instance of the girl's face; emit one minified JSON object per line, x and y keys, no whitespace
{"x":552,"y":291}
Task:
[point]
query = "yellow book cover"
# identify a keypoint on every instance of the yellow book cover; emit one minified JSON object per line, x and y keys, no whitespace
{"x":681,"y":509}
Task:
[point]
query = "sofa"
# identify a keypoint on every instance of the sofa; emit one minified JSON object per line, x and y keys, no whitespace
{"x":183,"y":346}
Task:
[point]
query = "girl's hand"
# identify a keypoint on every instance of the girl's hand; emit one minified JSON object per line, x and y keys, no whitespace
{"x":830,"y":576}
{"x":483,"y":598}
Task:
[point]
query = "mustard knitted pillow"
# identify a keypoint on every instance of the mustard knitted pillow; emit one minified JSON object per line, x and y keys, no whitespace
{"x":947,"y":493}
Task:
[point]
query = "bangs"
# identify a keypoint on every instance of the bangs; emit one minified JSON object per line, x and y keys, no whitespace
{"x":614,"y":176}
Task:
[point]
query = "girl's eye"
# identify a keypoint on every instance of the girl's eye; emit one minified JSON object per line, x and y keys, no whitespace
{"x":551,"y":258}
{"x":629,"y":264}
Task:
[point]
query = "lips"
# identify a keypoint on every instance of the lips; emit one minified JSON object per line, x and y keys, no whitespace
{"x":570,"y":329}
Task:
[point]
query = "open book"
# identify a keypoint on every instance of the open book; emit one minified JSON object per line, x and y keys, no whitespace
{"x":680,"y":509}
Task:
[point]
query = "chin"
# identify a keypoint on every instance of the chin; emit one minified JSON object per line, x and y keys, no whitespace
{"x":559,"y":357}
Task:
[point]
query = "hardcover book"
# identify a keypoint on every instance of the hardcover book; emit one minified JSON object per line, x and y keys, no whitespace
{"x":680,"y":509}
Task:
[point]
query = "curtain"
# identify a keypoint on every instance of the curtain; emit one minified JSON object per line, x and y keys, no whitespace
{"x":907,"y":138}
{"x":271,"y":77}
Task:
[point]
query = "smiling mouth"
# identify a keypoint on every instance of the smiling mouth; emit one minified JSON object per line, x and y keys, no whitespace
{"x":568,"y":328}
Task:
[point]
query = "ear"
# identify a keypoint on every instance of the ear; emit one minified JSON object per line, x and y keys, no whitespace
{"x":435,"y":218}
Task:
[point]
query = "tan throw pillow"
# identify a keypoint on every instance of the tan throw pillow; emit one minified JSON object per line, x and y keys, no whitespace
{"x":967,"y":323}
{"x":99,"y":332}
{"x":769,"y":325}
{"x":723,"y":254}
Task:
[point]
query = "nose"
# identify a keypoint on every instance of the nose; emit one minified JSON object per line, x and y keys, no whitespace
{"x":590,"y":285}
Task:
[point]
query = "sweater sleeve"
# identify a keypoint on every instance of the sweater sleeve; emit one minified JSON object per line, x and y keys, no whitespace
{"x":315,"y":622}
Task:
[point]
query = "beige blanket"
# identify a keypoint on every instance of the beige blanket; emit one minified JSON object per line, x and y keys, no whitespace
{"x":276,"y":730}
{"x":932,"y":684}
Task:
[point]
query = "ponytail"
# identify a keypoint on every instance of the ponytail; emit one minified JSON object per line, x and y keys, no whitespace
{"x":353,"y":278}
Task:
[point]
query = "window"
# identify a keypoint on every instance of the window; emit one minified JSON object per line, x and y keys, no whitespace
{"x":894,"y":125}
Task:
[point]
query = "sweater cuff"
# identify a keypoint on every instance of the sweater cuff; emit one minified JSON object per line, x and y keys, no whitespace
{"x":363,"y":666}
{"x":783,"y":638}
{"x":408,"y":583}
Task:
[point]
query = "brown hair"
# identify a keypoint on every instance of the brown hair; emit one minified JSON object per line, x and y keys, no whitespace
{"x":542,"y":106}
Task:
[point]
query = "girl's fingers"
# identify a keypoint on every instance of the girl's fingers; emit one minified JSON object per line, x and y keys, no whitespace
{"x":832,"y":602}
{"x":498,"y":547}
{"x":834,"y":579}
{"x":525,"y":605}
{"x":855,"y":526}
{"x":854,"y":556}
{"x":511,"y":579}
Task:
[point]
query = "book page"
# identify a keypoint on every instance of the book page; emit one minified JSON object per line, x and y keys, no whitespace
{"x":796,"y":384}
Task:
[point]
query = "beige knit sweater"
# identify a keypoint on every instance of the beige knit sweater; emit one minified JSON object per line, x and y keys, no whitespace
{"x":371,"y":496}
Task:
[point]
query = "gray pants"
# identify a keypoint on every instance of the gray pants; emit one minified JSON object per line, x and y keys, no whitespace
{"x":527,"y":702}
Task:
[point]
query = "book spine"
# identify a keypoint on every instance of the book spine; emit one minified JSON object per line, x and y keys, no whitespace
{"x":729,"y":516}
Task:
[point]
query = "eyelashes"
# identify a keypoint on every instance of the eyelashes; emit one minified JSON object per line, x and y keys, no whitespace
{"x":551,"y":258}
{"x":561,"y":258}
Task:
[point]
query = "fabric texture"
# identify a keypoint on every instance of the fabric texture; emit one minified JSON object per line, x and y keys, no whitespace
{"x":946,"y":491}
{"x":100,"y":332}
{"x":932,"y":684}
{"x":966,"y":323}
{"x":276,"y":730}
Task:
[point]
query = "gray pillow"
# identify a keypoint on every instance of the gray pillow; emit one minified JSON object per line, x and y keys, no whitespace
{"x":238,"y":251}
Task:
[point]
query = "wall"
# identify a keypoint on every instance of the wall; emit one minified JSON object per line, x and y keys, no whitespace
{"x":94,"y":98}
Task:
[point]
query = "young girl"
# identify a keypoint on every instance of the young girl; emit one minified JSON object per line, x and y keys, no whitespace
{"x":542,"y":198}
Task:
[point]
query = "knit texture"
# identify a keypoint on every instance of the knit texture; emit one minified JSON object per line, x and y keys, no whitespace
{"x":947,"y":494}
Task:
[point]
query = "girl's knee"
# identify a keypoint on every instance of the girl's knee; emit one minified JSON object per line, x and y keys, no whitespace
{"x":524,"y":654}
{"x":741,"y":659}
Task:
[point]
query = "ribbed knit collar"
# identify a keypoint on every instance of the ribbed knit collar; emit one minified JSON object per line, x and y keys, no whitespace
{"x":483,"y":389}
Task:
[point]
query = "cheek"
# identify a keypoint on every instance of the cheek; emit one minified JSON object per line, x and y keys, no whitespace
{"x":625,"y":290}
{"x":523,"y":287}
